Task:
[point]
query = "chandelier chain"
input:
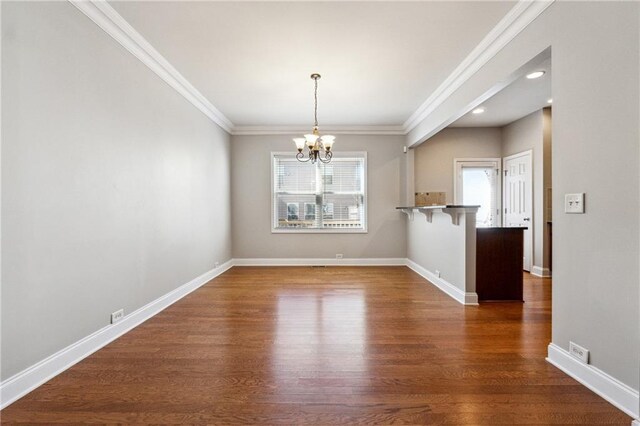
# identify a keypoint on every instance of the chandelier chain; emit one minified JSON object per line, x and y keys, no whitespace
{"x":315,"y":97}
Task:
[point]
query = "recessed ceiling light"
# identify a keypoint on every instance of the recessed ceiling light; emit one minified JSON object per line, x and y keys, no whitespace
{"x":535,"y":74}
{"x":549,"y":101}
{"x":478,"y":110}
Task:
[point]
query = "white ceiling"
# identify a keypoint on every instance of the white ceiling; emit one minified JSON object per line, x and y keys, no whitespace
{"x":517,"y":100}
{"x":379,"y":60}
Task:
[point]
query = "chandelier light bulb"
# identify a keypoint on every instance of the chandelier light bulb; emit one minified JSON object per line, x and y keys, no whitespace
{"x":311,"y":139}
{"x":299,"y":143}
{"x":327,"y":141}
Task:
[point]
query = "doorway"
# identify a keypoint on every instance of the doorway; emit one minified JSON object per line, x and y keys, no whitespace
{"x":518,"y":199}
{"x":477,"y":183}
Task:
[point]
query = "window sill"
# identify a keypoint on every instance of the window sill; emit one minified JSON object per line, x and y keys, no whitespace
{"x":319,"y":231}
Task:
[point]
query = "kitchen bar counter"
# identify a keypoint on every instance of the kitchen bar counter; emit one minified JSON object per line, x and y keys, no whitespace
{"x":441,"y":247}
{"x":452,"y":210}
{"x":469,"y":264}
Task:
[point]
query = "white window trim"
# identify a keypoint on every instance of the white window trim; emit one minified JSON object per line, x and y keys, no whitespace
{"x":339,"y":154}
{"x":457,"y":182}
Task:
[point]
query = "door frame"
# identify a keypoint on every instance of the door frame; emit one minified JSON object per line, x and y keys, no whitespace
{"x":457,"y":190}
{"x":528,"y":152}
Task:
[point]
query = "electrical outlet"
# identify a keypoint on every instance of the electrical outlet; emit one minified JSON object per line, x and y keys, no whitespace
{"x":574,"y":203}
{"x":579,"y":352}
{"x":339,"y":256}
{"x":437,"y":273}
{"x":117,"y":316}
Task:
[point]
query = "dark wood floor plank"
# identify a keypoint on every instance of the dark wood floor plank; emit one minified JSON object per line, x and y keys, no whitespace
{"x":341,"y":345}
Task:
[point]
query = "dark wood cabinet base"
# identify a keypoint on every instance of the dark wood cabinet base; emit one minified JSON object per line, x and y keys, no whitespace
{"x":499,"y":254}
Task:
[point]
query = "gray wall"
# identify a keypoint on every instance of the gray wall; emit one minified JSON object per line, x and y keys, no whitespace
{"x":115,"y":189}
{"x":251,"y":202}
{"x":434,"y":163}
{"x":434,"y":158}
{"x":430,"y":245}
{"x":523,"y":135}
{"x":547,"y":183}
{"x":595,"y":56}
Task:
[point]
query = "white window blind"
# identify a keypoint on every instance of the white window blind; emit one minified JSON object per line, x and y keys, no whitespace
{"x":319,"y":197}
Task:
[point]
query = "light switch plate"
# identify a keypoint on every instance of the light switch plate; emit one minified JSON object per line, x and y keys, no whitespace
{"x":574,"y":203}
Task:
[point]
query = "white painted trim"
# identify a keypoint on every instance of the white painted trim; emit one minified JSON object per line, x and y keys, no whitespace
{"x":320,"y":262}
{"x":532,"y":227}
{"x":518,"y":18}
{"x":296,"y":231}
{"x":635,"y":423}
{"x":100,"y":12}
{"x":528,"y":152}
{"x":521,"y":15}
{"x":300,"y":130}
{"x":540,"y":272}
{"x":337,"y":155}
{"x":1,"y":144}
{"x":27,"y":380}
{"x":458,"y":163}
{"x":468,"y":298}
{"x":611,"y":389}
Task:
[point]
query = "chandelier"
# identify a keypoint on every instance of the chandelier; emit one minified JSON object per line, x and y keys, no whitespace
{"x":319,"y":147}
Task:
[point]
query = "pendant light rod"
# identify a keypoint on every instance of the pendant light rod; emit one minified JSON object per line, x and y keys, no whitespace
{"x":315,"y":78}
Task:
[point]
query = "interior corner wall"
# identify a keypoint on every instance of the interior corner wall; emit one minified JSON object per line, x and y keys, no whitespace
{"x":115,"y":189}
{"x":434,"y":158}
{"x":547,"y":186}
{"x":251,"y":202}
{"x":596,"y":127}
{"x":409,"y":172}
{"x":522,"y":135}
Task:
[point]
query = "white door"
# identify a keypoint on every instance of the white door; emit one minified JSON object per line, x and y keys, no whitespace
{"x":518,"y":199}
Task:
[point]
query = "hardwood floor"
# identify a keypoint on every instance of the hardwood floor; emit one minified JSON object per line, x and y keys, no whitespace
{"x":325,"y":346}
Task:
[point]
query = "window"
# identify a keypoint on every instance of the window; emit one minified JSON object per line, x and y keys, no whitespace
{"x":292,"y":211}
{"x":477,"y":182}
{"x":319,"y":197}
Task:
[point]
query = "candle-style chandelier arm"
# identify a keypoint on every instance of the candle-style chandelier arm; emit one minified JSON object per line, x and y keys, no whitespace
{"x":313,"y":156}
{"x":300,"y":156}
{"x":327,"y":157}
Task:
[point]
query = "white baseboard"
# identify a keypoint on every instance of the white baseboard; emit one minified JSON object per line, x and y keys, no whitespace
{"x":614,"y":391}
{"x":635,"y":423}
{"x":453,"y":291}
{"x":540,"y":272}
{"x":320,"y":262}
{"x":27,"y":380}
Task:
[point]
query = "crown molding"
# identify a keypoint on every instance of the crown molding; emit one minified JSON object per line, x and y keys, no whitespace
{"x":300,"y":130}
{"x":518,"y":18}
{"x":100,"y":12}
